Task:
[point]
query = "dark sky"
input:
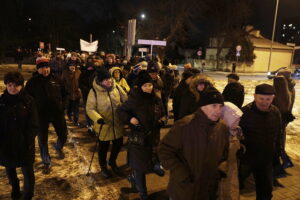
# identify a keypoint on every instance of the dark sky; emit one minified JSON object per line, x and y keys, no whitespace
{"x":264,"y":11}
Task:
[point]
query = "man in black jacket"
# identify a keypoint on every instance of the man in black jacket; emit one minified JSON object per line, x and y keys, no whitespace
{"x":49,"y":95}
{"x":234,"y":91}
{"x":261,"y":125}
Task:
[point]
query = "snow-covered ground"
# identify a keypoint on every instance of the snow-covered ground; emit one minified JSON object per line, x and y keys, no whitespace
{"x":68,"y":178}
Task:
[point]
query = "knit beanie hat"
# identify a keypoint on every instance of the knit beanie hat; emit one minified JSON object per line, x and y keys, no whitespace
{"x":42,"y":62}
{"x":102,"y":74}
{"x":210,"y":96}
{"x":233,"y":76}
{"x":153,"y":67}
{"x":143,"y":78}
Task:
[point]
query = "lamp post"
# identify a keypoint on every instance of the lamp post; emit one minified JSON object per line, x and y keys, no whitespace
{"x":273,"y":34}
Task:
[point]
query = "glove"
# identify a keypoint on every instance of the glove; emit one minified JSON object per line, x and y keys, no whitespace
{"x":101,"y":121}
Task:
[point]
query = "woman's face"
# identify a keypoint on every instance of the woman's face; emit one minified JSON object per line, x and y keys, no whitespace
{"x":13,"y":89}
{"x":147,"y":88}
{"x":107,"y":82}
{"x":116,"y":74}
{"x":201,"y":87}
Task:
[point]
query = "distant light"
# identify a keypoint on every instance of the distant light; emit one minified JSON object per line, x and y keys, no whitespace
{"x":113,"y":31}
{"x":284,"y":28}
{"x":29,"y":19}
{"x":292,"y":37}
{"x":284,"y":25}
{"x":283,"y":35}
{"x":294,"y":27}
{"x":298,"y":32}
{"x":290,"y":25}
{"x":143,"y":16}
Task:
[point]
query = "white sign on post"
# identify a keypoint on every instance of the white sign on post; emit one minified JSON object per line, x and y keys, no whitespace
{"x":87,"y":46}
{"x":143,"y":49}
{"x":152,"y":43}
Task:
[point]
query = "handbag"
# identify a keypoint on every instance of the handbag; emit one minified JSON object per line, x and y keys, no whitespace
{"x":138,"y":135}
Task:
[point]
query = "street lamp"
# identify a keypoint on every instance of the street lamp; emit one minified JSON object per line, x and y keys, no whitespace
{"x":274,"y":26}
{"x":143,"y":16}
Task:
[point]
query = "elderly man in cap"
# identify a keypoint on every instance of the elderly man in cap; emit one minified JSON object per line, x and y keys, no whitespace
{"x":194,"y":148}
{"x":234,"y":91}
{"x":49,"y":94}
{"x":261,"y":125}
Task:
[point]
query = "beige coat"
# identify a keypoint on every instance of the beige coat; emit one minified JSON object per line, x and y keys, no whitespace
{"x":104,"y":105}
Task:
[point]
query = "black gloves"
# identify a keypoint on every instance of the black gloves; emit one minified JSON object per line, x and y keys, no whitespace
{"x":101,"y":121}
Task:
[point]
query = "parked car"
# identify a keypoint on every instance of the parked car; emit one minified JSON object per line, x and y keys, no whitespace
{"x":296,"y":74}
{"x":272,"y":74}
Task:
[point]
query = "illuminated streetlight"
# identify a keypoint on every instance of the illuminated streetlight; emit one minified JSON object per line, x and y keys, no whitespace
{"x":143,"y":16}
{"x":29,"y":19}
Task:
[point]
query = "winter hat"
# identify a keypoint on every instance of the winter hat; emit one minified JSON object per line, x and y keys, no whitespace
{"x":72,"y":63}
{"x":190,"y":72}
{"x":265,"y":89}
{"x":233,"y":76}
{"x":210,"y":96}
{"x":231,"y":113}
{"x":153,"y":67}
{"x":42,"y":62}
{"x":102,"y":74}
{"x":285,"y":72}
{"x":143,"y":78}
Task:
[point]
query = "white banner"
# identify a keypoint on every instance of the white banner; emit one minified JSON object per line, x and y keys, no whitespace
{"x":87,"y":46}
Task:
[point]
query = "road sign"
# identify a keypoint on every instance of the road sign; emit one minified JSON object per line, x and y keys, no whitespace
{"x":153,"y":42}
{"x":42,"y":45}
{"x":199,"y":53}
{"x":238,"y":54}
{"x":143,"y":49}
{"x":238,"y":48}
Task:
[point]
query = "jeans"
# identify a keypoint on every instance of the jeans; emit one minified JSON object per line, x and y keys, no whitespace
{"x":29,"y":181}
{"x":60,"y":127}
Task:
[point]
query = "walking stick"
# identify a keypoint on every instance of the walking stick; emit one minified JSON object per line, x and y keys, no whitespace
{"x":97,"y":141}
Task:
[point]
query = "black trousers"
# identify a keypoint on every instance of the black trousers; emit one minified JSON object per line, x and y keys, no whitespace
{"x":73,"y":109}
{"x":29,"y":181}
{"x":263,"y":177}
{"x":60,"y":127}
{"x":115,"y":150}
{"x":140,"y":182}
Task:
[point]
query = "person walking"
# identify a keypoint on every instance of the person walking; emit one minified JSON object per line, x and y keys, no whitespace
{"x":50,"y":95}
{"x":117,"y":75}
{"x":144,"y":113}
{"x":261,"y":126}
{"x":19,"y":126}
{"x":234,"y":91}
{"x":70,"y":79}
{"x":103,"y":100}
{"x":193,"y":149}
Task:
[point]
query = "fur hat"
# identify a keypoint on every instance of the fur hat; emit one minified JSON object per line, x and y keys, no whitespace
{"x":42,"y":62}
{"x":265,"y":89}
{"x":189,"y":72}
{"x":140,"y":66}
{"x":210,"y":96}
{"x":102,"y":74}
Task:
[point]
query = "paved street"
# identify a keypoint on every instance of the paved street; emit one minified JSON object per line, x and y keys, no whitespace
{"x":68,"y":178}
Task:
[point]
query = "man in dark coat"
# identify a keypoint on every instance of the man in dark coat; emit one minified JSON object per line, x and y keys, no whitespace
{"x":49,"y":94}
{"x":234,"y":91}
{"x":194,"y":148}
{"x":18,"y":128}
{"x":261,"y":125}
{"x":184,"y":101}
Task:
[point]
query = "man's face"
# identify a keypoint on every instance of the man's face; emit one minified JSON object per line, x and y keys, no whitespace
{"x":263,"y":102}
{"x":73,"y":57}
{"x":45,"y":71}
{"x":107,"y":82}
{"x":201,"y":87}
{"x":13,"y":89}
{"x":109,"y":60}
{"x":213,"y":111}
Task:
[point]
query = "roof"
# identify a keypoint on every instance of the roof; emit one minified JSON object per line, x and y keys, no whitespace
{"x":262,"y":42}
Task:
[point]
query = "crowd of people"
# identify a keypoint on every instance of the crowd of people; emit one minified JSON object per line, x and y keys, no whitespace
{"x":214,"y":144}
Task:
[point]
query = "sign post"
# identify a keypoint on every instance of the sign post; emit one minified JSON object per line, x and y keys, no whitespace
{"x":238,"y":54}
{"x":142,"y":50}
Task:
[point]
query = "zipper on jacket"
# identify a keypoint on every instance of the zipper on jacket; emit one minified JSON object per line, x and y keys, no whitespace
{"x":113,"y":115}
